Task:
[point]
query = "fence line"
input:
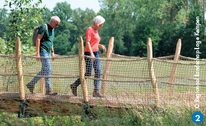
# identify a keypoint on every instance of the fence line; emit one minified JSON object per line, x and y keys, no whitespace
{"x":148,"y":74}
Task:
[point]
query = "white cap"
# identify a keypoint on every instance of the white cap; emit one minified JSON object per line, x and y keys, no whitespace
{"x":98,"y":20}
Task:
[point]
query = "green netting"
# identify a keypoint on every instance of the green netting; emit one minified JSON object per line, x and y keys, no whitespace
{"x":8,"y":74}
{"x":128,"y":80}
{"x":63,"y":72}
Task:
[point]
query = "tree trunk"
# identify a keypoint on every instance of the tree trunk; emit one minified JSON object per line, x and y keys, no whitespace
{"x":172,"y":12}
{"x":187,"y":9}
{"x":203,"y":12}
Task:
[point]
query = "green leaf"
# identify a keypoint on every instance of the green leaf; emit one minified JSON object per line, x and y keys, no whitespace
{"x":10,"y":4}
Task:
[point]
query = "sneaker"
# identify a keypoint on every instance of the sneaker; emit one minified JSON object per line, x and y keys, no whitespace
{"x":97,"y":94}
{"x":50,"y":92}
{"x":31,"y":88}
{"x":74,"y":89}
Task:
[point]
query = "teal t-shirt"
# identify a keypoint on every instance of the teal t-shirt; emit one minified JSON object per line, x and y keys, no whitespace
{"x":47,"y":39}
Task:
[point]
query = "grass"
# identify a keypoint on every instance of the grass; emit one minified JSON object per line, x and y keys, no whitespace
{"x":143,"y":116}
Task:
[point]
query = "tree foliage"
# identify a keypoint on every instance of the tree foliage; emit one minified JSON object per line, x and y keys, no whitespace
{"x":130,"y":22}
{"x":22,"y":17}
{"x":2,"y":46}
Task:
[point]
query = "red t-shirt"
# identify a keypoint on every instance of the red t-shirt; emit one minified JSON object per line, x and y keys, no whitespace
{"x":92,"y":36}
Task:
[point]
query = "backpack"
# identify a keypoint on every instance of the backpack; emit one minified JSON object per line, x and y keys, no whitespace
{"x":35,"y":34}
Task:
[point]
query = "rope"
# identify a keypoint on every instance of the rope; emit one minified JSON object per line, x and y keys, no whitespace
{"x":181,"y":84}
{"x":8,"y":74}
{"x":113,"y":80}
{"x":11,"y":55}
{"x":177,"y":62}
{"x":117,"y":60}
{"x":189,"y":58}
{"x":57,"y":56}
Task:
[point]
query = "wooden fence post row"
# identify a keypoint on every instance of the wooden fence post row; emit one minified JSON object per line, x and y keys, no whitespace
{"x":151,"y":69}
{"x":106,"y":70}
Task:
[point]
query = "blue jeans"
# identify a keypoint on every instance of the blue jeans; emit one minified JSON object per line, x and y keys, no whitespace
{"x":89,"y":66}
{"x":45,"y":71}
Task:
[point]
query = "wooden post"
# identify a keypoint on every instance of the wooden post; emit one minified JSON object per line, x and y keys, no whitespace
{"x":19,"y":69}
{"x":174,"y":68}
{"x":41,"y":89}
{"x":81,"y":70}
{"x":107,"y":65}
{"x":151,"y":70}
